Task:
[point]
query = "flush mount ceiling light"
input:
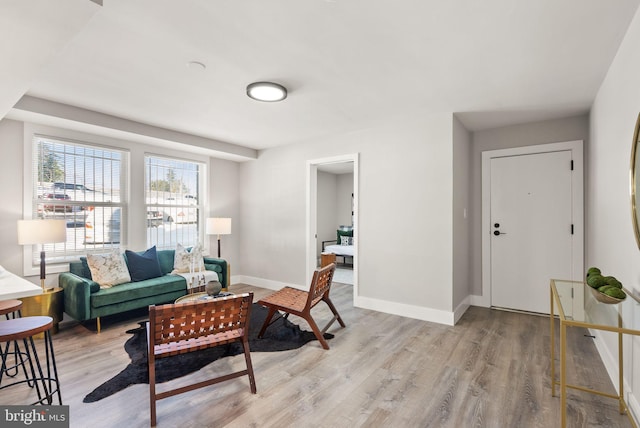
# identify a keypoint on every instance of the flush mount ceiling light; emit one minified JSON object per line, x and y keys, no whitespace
{"x":266,"y":91}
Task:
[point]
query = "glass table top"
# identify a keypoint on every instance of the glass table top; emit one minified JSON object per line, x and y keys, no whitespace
{"x":576,"y":303}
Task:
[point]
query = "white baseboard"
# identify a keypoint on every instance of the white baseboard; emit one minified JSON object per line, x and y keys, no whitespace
{"x":404,"y":310}
{"x":459,"y":311}
{"x":611,"y":364}
{"x":261,"y":282}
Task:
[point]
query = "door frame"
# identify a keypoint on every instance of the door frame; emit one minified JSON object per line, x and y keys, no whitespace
{"x":577,"y":204}
{"x":312,"y":213}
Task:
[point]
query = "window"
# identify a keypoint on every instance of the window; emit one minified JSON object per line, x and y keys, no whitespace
{"x":81,"y":184}
{"x":174,"y":201}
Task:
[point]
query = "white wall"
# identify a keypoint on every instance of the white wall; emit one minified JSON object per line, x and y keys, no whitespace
{"x":550,"y":131}
{"x":405,"y":214}
{"x":610,"y":242}
{"x":223,"y":202}
{"x":461,"y":225}
{"x":11,"y":177}
{"x":343,"y":195}
{"x":327,"y":218}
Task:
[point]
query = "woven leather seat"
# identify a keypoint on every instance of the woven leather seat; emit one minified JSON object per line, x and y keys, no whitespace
{"x":180,"y":328}
{"x":299,"y":302}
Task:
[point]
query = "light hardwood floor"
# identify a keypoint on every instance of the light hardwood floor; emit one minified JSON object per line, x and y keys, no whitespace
{"x":490,"y":370}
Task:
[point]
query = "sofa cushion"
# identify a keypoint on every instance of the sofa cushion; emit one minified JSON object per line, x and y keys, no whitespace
{"x":341,"y":233}
{"x":165,"y":258}
{"x":84,"y":272}
{"x":185,"y":260}
{"x":143,"y":265}
{"x":138,"y":290}
{"x":108,"y":269}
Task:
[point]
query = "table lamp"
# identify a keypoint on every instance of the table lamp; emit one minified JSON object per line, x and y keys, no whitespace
{"x":34,"y":232}
{"x":218,"y":226}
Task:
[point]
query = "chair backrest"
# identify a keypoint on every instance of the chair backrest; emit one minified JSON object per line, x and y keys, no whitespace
{"x":320,"y":284}
{"x":191,"y":321}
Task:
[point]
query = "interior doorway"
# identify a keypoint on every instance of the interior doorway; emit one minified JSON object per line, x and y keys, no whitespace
{"x":332,"y":205}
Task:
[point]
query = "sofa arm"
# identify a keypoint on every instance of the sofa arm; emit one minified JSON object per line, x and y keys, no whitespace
{"x":77,"y":293}
{"x":224,"y":269}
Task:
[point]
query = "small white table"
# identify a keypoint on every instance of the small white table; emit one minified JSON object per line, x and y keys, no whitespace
{"x":14,"y":287}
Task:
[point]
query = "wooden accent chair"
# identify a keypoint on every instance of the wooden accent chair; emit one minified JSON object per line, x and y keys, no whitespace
{"x":187,"y":327}
{"x":298,"y":302}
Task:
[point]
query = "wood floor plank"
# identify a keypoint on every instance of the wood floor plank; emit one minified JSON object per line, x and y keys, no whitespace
{"x":491,"y":370}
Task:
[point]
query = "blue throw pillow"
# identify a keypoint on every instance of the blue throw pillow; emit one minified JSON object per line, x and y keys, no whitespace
{"x":143,"y":266}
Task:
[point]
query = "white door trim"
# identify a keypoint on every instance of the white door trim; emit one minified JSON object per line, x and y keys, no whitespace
{"x":311,"y":209}
{"x":576,"y":148}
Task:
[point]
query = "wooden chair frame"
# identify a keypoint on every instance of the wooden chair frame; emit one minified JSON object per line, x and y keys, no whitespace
{"x":299,"y":302}
{"x":187,"y":327}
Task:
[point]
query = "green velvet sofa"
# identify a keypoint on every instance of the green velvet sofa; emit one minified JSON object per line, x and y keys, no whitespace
{"x":85,"y":300}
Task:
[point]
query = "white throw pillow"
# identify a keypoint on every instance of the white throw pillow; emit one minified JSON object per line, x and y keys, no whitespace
{"x":182,"y":262}
{"x":108,"y":269}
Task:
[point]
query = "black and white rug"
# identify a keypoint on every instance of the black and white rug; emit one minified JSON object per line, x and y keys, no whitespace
{"x":282,"y":335}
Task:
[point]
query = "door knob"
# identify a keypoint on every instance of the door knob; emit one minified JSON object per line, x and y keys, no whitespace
{"x":498,"y":233}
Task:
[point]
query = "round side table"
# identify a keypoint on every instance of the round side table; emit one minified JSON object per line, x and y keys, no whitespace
{"x":50,"y":303}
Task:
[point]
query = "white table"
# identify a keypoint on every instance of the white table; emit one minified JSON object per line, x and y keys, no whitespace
{"x":14,"y":287}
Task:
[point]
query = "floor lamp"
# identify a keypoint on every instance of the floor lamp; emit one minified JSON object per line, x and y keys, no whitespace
{"x":218,"y":226}
{"x":41,"y":232}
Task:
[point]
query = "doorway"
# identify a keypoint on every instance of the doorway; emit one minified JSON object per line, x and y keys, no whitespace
{"x":322,"y":225}
{"x":532,"y":223}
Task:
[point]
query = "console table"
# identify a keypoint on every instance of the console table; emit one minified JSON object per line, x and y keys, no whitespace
{"x":577,"y":307}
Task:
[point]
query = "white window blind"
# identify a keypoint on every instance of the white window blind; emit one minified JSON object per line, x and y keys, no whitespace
{"x":84,"y":185}
{"x":173,"y":200}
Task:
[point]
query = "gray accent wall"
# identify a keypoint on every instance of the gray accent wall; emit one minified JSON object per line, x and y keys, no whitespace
{"x":530,"y":134}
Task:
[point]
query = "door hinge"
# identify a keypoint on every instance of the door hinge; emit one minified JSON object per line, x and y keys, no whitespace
{"x":572,"y":229}
{"x":572,"y":292}
{"x":571,"y":164}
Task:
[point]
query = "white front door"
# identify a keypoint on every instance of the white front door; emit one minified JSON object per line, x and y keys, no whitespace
{"x":531,"y":228}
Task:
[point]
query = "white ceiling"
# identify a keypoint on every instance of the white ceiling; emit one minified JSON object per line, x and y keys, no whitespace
{"x":347,"y":63}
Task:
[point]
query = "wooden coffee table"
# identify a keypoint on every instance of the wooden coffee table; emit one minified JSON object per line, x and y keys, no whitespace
{"x":200,"y":297}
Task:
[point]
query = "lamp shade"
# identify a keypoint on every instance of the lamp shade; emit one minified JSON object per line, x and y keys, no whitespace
{"x":218,"y":226}
{"x":32,"y":232}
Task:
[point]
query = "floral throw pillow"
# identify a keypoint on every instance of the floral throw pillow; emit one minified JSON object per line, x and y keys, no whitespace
{"x":185,"y":260}
{"x":346,"y":240}
{"x":108,"y":269}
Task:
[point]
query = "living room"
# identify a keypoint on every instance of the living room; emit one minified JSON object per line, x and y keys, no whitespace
{"x":419,"y":169}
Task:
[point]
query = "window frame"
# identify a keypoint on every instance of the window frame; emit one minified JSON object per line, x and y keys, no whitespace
{"x":31,"y":267}
{"x":201,"y":198}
